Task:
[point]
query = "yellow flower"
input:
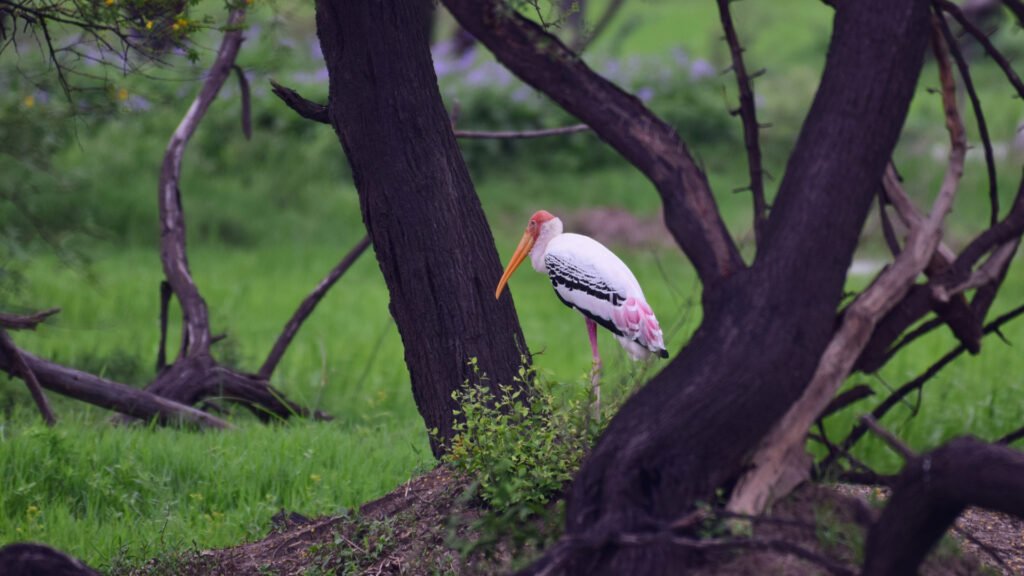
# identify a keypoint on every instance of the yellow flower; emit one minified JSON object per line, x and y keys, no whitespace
{"x":196,"y":496}
{"x":315,"y":478}
{"x":32,"y":510}
{"x":29,"y":101}
{"x":109,"y":2}
{"x":149,"y":24}
{"x":122,"y":94}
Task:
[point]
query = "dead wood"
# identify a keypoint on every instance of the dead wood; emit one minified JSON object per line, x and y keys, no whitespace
{"x":109,"y":394}
{"x":22,"y":370}
{"x":25,"y":321}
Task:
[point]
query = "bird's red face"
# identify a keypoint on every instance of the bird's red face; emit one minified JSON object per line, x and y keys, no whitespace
{"x":537,"y":221}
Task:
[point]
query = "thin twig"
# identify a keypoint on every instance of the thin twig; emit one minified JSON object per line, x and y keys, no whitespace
{"x":165,"y":301}
{"x":891,"y":439}
{"x":748,"y":113}
{"x":319,"y":113}
{"x":984,"y":40}
{"x":897,"y":396}
{"x":28,"y":376}
{"x":965,"y":75}
{"x":520,"y":134}
{"x":25,"y":321}
{"x":585,"y":40}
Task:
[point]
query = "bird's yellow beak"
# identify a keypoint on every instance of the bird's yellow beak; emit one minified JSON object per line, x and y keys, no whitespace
{"x":522,"y":251}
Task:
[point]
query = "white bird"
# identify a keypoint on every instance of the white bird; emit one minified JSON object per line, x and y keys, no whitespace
{"x":590,"y":278}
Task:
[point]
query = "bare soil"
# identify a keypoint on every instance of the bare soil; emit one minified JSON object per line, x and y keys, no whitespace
{"x":410,"y":531}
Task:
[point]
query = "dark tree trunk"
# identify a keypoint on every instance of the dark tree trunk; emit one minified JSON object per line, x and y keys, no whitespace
{"x":690,"y":429}
{"x":761,"y":339}
{"x":429,"y":232}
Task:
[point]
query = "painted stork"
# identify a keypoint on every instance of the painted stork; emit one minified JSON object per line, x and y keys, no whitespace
{"x":590,"y":278}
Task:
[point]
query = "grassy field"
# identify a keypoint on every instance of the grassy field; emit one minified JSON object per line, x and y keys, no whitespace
{"x":269,"y":217}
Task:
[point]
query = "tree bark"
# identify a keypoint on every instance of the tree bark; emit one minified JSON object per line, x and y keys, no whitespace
{"x":932,"y":491}
{"x":690,"y":429}
{"x":428,"y":230}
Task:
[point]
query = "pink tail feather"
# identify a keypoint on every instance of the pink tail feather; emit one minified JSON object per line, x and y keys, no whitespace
{"x":635,"y":319}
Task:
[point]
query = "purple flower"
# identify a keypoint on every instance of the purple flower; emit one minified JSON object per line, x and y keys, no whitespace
{"x":137,"y":103}
{"x":645,"y":94}
{"x":701,"y":68}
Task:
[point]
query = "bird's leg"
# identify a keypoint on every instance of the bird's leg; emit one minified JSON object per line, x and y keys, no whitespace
{"x":595,"y":371}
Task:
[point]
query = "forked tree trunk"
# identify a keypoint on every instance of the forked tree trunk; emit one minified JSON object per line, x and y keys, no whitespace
{"x":429,"y":232}
{"x":689,"y":430}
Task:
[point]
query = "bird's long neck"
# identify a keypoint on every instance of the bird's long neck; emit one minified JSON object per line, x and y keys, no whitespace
{"x":548,"y":231}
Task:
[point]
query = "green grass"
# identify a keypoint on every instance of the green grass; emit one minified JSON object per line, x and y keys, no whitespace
{"x":269,"y":217}
{"x":115,"y":495}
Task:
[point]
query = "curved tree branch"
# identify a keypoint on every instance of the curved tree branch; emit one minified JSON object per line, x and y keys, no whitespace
{"x":619,"y":119}
{"x":196,"y":325}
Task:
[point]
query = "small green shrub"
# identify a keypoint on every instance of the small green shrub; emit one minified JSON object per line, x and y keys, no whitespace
{"x":520,"y":449}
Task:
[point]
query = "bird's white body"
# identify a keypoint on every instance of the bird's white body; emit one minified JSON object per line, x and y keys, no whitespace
{"x":589,"y":277}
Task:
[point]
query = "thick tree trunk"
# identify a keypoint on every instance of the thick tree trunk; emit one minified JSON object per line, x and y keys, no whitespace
{"x":429,"y":232}
{"x":690,"y":429}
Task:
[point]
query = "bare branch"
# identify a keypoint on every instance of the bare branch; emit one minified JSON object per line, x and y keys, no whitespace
{"x":748,"y":113}
{"x":22,"y":369}
{"x":306,"y":108}
{"x":1017,"y":7}
{"x":987,"y":273}
{"x":855,"y":394}
{"x":196,"y":325}
{"x":307,"y":307}
{"x":585,"y":40}
{"x":520,"y":134}
{"x":319,"y":113}
{"x":983,"y":39}
{"x":965,"y":75}
{"x":108,"y":394}
{"x":903,"y":391}
{"x":895,"y":443}
{"x":243,"y":87}
{"x":1012,"y":436}
{"x":165,"y":301}
{"x":25,"y":322}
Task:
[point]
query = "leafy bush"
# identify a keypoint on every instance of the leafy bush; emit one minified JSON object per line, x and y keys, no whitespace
{"x":520,"y":449}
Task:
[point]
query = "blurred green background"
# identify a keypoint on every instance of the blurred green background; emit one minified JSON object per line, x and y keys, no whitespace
{"x":268,"y":217}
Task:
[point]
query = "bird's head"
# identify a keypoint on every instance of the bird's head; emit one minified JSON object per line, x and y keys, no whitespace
{"x":533,"y":230}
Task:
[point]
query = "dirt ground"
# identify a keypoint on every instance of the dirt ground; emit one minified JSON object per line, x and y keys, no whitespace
{"x":410,"y":531}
